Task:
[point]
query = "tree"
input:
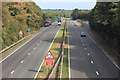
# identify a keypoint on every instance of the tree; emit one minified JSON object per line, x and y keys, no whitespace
{"x":75,"y":14}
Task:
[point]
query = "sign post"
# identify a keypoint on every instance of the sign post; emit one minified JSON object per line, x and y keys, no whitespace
{"x":20,"y":33}
{"x":49,"y":62}
{"x":49,"y":55}
{"x":48,"y":58}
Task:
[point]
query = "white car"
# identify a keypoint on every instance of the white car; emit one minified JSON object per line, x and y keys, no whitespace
{"x":59,"y":23}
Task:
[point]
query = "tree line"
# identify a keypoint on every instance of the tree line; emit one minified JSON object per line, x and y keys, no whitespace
{"x":104,"y":18}
{"x":80,"y":14}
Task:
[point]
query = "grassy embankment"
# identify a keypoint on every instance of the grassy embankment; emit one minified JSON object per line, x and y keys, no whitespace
{"x":65,"y":70}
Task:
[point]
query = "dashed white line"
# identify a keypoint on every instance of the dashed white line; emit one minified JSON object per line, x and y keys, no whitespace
{"x":88,"y":54}
{"x":34,"y":48}
{"x":21,"y":61}
{"x":97,"y":73}
{"x":12,"y":72}
{"x":85,"y":48}
{"x":37,"y":43}
{"x":29,"y":54}
{"x":92,"y":62}
{"x":83,"y":44}
{"x":81,"y":41}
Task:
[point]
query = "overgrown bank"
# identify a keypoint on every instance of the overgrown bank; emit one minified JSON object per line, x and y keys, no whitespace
{"x":18,"y":16}
{"x":105,"y":20}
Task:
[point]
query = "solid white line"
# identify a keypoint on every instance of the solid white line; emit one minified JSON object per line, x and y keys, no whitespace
{"x":92,"y":62}
{"x":21,"y":61}
{"x":45,"y":54}
{"x":97,"y":73}
{"x":29,"y":54}
{"x":39,"y":69}
{"x":69,"y":55}
{"x":21,"y":46}
{"x":105,"y":53}
{"x":12,"y":72}
{"x":92,"y":39}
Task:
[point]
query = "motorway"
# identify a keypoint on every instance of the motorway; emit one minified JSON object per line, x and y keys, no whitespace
{"x":25,"y":62}
{"x":87,"y":59}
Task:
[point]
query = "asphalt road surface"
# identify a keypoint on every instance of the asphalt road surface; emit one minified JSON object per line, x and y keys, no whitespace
{"x":87,"y":59}
{"x":25,"y":62}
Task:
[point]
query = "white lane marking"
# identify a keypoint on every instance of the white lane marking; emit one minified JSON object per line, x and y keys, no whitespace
{"x":105,"y":53}
{"x":37,"y":43}
{"x":22,"y":61}
{"x":12,"y":72}
{"x":97,"y":73}
{"x":81,"y":41}
{"x":69,"y":56}
{"x":34,"y":48}
{"x":88,"y":54}
{"x":29,"y":54}
{"x":92,"y":39}
{"x":21,"y":46}
{"x":92,"y":62}
{"x":85,"y":48}
{"x":83,"y":44}
{"x":44,"y":59}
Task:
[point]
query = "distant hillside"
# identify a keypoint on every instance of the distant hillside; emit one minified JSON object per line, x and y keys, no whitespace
{"x":56,"y":10}
{"x":18,"y":16}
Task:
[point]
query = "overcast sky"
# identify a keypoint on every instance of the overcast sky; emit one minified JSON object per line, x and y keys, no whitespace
{"x":65,"y":4}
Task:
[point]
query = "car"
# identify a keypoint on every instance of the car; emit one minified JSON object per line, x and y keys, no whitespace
{"x":83,"y":34}
{"x":59,"y":23}
{"x":50,"y":21}
{"x":46,"y":23}
{"x":75,"y":24}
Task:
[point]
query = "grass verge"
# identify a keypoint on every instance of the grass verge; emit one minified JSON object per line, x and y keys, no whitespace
{"x":65,"y":71}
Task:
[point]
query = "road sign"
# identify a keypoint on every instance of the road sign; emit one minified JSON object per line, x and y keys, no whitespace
{"x":29,"y":30}
{"x":21,"y":33}
{"x":49,"y":62}
{"x":56,"y":17}
{"x":49,"y":55}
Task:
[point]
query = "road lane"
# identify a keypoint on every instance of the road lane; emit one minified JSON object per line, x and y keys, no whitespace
{"x":88,"y":60}
{"x":80,"y":65}
{"x":32,"y":58}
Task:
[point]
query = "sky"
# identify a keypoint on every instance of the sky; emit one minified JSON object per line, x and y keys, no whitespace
{"x":65,"y":4}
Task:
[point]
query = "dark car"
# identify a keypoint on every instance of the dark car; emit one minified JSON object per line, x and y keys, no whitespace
{"x":47,"y":23}
{"x":83,"y":34}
